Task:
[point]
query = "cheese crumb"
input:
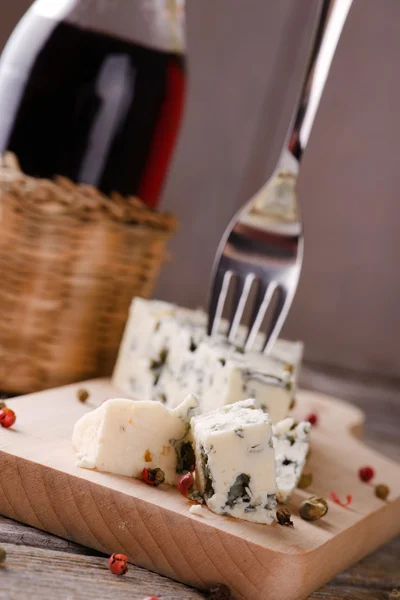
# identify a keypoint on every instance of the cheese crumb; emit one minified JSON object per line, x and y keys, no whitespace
{"x":197,"y":510}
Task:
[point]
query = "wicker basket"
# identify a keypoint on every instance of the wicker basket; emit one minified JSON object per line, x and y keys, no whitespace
{"x":71,"y":260}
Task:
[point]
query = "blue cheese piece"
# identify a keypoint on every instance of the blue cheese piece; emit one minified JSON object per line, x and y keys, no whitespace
{"x":235,"y":462}
{"x":123,"y":436}
{"x":166,"y":355}
{"x":291,"y":443}
{"x":231,"y":376}
{"x":157,"y":333}
{"x":141,"y":346}
{"x":220,"y":375}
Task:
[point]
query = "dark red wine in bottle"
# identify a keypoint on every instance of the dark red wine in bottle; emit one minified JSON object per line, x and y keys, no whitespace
{"x":94,"y":90}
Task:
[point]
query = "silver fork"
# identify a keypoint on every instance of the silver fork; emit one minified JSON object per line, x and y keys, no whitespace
{"x":261,"y":252}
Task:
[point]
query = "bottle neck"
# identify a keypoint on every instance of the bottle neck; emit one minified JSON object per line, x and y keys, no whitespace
{"x":158,"y":24}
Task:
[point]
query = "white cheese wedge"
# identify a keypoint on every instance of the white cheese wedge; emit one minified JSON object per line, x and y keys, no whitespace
{"x":123,"y":436}
{"x":235,"y":462}
{"x":291,"y":443}
{"x":165,"y":354}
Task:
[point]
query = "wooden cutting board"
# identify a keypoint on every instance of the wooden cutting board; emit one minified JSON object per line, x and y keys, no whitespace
{"x":41,"y":486}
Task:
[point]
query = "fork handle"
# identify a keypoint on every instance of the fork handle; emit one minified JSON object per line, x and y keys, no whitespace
{"x":331,"y":20}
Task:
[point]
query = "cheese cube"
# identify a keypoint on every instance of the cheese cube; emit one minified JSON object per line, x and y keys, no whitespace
{"x":123,"y":436}
{"x":290,"y":440}
{"x":235,"y":462}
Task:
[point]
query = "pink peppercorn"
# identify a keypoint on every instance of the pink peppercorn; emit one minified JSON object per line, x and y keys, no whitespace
{"x":312,"y":418}
{"x":117,"y":563}
{"x":185,"y":484}
{"x":366,"y":473}
{"x":7,"y":417}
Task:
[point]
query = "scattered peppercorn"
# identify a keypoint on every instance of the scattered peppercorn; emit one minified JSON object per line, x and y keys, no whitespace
{"x":117,"y":563}
{"x":337,"y":500}
{"x":283,"y":516}
{"x":313,"y":509}
{"x":219,"y":592}
{"x":3,"y":404}
{"x":186,"y":484}
{"x":305,"y":481}
{"x":382,"y":491}
{"x":117,"y":556}
{"x":366,"y":474}
{"x":7,"y":417}
{"x":312,"y":418}
{"x":82,"y":395}
{"x":3,"y":555}
{"x":292,"y":404}
{"x":153,"y":476}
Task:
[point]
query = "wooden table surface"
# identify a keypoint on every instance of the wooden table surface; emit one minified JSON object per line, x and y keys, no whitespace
{"x":42,"y":566}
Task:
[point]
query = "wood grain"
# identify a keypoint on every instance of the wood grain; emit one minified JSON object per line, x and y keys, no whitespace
{"x":41,"y":486}
{"x":372,"y":579}
{"x":13,"y":532}
{"x":40,"y":574}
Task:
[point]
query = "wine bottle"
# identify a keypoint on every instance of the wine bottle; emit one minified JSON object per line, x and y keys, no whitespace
{"x":94,"y":90}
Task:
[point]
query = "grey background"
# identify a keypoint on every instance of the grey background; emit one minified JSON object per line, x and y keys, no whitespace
{"x":244,"y":56}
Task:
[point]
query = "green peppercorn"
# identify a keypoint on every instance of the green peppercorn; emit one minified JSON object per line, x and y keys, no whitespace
{"x":382,"y":491}
{"x":313,"y":509}
{"x":82,"y":395}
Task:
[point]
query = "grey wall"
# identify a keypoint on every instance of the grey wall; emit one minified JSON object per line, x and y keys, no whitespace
{"x":248,"y":55}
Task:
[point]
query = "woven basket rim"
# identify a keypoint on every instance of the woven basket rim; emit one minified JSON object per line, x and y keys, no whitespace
{"x":60,"y":197}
